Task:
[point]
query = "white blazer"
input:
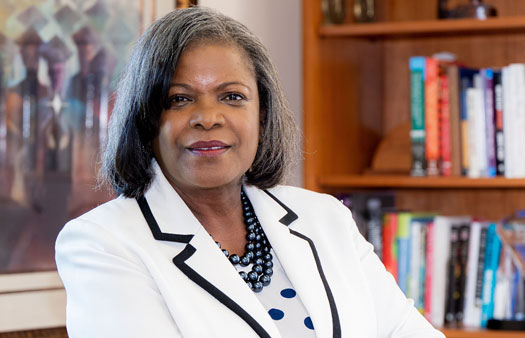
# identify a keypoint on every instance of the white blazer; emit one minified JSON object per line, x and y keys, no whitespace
{"x":147,"y":268}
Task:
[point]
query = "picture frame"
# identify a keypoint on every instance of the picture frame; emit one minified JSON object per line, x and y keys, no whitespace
{"x":35,"y":297}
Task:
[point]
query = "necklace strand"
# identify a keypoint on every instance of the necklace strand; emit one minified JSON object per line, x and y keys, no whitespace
{"x":257,"y":250}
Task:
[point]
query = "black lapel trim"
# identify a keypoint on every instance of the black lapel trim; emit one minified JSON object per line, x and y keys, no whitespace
{"x":336,"y":325}
{"x":180,"y":262}
{"x":154,"y":226}
{"x":290,"y":216}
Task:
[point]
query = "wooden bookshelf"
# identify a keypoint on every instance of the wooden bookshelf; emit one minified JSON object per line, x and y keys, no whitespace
{"x":356,"y":96}
{"x":457,"y":333}
{"x":403,"y":181}
{"x":387,"y":30}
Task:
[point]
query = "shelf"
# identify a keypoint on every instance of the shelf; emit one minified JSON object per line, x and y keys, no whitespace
{"x":455,"y":333}
{"x":425,"y":28}
{"x":399,"y":181}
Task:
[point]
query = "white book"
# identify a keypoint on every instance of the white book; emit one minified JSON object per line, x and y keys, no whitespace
{"x":520,"y":120}
{"x":473,"y":127}
{"x":516,"y":89}
{"x":507,"y":122}
{"x":472,"y":312}
{"x":413,"y":272}
{"x":441,"y":245}
{"x":480,"y":126}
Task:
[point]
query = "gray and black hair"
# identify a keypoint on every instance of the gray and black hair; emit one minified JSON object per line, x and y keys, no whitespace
{"x":143,"y":94}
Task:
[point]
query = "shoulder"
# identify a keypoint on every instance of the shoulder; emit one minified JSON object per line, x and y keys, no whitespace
{"x":114,"y":218}
{"x":304,"y":200}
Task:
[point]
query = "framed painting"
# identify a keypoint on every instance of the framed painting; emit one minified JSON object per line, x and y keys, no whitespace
{"x":59,"y":65}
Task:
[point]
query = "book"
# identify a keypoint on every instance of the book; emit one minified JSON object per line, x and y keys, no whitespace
{"x":492,"y":252}
{"x":445,"y":151}
{"x":431,"y":116}
{"x":403,"y":249}
{"x":466,"y":81}
{"x":472,"y":313}
{"x":390,"y":243}
{"x":452,"y":276}
{"x":478,"y":296}
{"x":417,"y":114}
{"x":440,"y":258}
{"x":417,"y":259}
{"x":374,"y":221}
{"x":454,"y":120}
{"x":499,"y":133}
{"x":474,"y":132}
{"x":429,"y":261}
{"x":463,"y":241}
{"x":487,"y":78}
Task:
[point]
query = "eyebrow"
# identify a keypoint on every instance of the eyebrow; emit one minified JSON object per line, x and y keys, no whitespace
{"x":220,"y":87}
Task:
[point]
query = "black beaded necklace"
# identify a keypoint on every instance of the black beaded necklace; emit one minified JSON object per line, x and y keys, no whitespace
{"x":257,"y":250}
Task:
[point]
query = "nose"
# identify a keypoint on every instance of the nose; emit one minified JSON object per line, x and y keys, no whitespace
{"x":207,"y":116}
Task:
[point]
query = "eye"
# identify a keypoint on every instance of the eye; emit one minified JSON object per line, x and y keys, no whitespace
{"x":178,"y":101}
{"x":234,"y":97}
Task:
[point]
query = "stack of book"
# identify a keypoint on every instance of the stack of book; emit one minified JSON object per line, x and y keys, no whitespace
{"x":465,"y":121}
{"x":454,"y":268}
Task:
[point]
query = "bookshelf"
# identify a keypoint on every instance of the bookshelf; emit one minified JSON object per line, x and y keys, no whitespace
{"x":356,"y":105}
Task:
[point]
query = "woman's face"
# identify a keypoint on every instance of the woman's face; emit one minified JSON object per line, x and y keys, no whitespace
{"x":209,"y":135}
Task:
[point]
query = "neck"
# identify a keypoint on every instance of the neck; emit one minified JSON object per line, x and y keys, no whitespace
{"x":220,"y":213}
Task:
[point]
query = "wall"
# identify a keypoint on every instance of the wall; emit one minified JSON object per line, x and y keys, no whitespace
{"x":278,"y":25}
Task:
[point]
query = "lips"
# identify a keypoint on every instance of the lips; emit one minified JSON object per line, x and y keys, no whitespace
{"x":208,"y":148}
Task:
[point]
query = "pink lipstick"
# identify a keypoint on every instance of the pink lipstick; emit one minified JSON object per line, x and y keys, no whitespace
{"x":208,"y":148}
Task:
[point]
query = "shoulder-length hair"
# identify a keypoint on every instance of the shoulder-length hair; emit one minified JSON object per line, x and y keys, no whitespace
{"x":143,"y":94}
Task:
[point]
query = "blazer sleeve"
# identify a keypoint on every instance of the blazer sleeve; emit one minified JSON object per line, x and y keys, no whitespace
{"x":396,"y":315}
{"x":109,"y":291}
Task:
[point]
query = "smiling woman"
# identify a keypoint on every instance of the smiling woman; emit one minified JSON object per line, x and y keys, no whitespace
{"x":203,"y":241}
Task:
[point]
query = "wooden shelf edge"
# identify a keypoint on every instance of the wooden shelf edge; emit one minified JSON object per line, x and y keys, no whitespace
{"x":400,"y":181}
{"x":423,"y":28}
{"x":477,"y":333}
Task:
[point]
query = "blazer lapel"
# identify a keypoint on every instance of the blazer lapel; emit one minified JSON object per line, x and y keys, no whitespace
{"x":298,"y":256}
{"x":200,"y":259}
{"x":204,"y":263}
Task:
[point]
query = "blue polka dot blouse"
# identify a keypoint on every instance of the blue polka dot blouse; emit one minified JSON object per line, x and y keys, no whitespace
{"x":284,"y":305}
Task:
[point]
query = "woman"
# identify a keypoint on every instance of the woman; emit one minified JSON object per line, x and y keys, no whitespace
{"x":202,"y":241}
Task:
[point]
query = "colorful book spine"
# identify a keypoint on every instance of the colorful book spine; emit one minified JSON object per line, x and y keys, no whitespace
{"x":465,"y":82}
{"x":413,"y":270}
{"x":498,"y":110}
{"x":454,"y":109}
{"x":431,"y":116}
{"x":417,"y":114}
{"x":492,"y":252}
{"x":487,"y":76}
{"x":422,"y":268}
{"x":445,"y":155}
{"x":403,"y":250}
{"x":389,"y":242}
{"x":429,"y":262}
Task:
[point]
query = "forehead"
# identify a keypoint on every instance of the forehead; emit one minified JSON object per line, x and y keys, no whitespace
{"x":214,"y":56}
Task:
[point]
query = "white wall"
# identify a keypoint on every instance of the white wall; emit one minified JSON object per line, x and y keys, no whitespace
{"x":278,"y":25}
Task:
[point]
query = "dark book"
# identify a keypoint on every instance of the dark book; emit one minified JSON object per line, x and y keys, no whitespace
{"x":478,"y":298}
{"x":452,"y":274}
{"x":464,"y":233}
{"x":498,"y":110}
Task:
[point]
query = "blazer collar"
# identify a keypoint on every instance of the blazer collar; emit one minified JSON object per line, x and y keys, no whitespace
{"x":299,"y":258}
{"x":203,"y":262}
